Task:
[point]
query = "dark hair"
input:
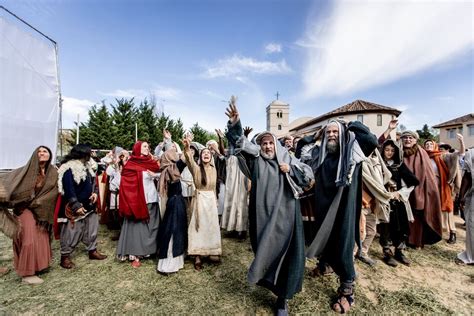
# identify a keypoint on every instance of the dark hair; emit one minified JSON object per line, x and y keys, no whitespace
{"x":445,"y":147}
{"x":50,"y":155}
{"x":79,"y":151}
{"x":201,"y":167}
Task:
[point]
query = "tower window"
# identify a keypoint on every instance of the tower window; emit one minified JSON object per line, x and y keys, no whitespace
{"x":279,"y":127}
{"x":279,"y":114}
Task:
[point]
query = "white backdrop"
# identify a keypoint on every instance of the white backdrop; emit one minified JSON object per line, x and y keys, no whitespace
{"x":29,"y":92}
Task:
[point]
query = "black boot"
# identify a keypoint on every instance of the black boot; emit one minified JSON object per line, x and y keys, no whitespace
{"x":401,"y":257}
{"x":388,"y":258}
{"x":452,"y":238}
{"x":281,"y":307}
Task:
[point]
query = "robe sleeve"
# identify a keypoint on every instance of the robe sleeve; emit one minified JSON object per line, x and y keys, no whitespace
{"x":192,"y":165}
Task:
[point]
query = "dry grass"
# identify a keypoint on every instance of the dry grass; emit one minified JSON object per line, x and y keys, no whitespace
{"x":434,"y":284}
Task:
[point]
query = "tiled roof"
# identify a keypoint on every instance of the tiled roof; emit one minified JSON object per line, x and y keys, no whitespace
{"x":358,"y":106}
{"x":456,"y":121}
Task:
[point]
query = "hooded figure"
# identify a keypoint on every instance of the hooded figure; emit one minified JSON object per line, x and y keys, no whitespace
{"x":402,"y":182}
{"x":32,"y":193}
{"x":336,"y":163}
{"x":138,"y":204}
{"x":275,"y":224}
{"x":425,"y":198}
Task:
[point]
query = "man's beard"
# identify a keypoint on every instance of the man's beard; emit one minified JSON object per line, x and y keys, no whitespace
{"x":332,"y":146}
{"x":409,"y":151}
{"x":267,"y":156}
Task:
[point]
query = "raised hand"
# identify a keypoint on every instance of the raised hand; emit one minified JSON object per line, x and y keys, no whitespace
{"x":219,"y":133}
{"x":186,"y":142}
{"x":232,"y":112}
{"x":247,"y":131}
{"x":166,"y":134}
{"x":393,"y":124}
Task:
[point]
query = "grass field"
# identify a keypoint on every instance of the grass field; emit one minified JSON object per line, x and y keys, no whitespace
{"x":434,"y":284}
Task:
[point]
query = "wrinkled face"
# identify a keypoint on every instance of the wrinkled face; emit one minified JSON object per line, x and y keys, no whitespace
{"x":145,"y":150}
{"x":43,"y":154}
{"x":429,"y":146}
{"x":206,"y":155}
{"x":388,"y":152}
{"x":212,"y":148}
{"x":289,"y":142}
{"x":267,"y":147}
{"x":408,"y":141}
{"x":332,"y":133}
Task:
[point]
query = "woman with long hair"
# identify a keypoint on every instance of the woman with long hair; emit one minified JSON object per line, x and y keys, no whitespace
{"x":204,"y":238}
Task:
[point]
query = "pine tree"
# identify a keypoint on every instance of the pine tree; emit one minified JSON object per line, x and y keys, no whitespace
{"x":124,"y":117}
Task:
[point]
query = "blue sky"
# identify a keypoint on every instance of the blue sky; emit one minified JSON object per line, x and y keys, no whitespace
{"x":414,"y":56}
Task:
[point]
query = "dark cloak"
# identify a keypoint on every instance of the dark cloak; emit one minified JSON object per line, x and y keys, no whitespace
{"x":275,"y":224}
{"x":339,"y":184}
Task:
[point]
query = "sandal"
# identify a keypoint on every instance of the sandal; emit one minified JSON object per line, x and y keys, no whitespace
{"x":343,"y":304}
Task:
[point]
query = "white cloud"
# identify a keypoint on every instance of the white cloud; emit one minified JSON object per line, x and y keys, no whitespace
{"x":362,"y":44}
{"x":239,"y":65}
{"x":273,"y":48}
{"x":166,"y":93}
{"x":72,"y":107}
{"x":127,"y":93}
{"x":160,"y":92}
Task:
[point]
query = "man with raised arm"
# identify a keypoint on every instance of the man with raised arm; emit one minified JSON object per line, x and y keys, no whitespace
{"x":276,"y":227}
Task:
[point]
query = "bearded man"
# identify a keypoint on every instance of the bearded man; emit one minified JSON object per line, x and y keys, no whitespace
{"x":276,"y":227}
{"x":425,"y":198}
{"x":336,"y":163}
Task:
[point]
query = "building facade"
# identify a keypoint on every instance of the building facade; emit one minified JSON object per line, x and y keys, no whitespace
{"x":373,"y":115}
{"x":463,"y":125}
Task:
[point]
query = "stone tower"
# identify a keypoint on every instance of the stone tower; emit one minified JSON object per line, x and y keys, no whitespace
{"x":278,"y":117}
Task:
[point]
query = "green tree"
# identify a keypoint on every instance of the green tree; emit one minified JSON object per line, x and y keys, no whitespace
{"x":427,"y":133}
{"x":97,"y":131}
{"x":124,"y":117}
{"x":201,"y":135}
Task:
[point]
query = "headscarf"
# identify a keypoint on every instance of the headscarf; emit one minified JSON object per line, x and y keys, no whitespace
{"x":24,"y":188}
{"x":410,"y":133}
{"x":447,"y":204}
{"x":132,"y":194}
{"x":169,"y":170}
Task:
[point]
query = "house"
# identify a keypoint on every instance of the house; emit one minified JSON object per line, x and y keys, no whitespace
{"x":373,"y":115}
{"x":463,"y":125}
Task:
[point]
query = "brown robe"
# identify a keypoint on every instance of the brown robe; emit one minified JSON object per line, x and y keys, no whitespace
{"x":424,"y":200}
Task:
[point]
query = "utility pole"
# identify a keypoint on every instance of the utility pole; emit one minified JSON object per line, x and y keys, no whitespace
{"x":77,"y":129}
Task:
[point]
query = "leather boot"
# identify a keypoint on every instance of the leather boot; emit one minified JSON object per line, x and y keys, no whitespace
{"x":95,"y":255}
{"x":401,"y":257}
{"x":452,"y":238}
{"x":388,"y":258}
{"x":66,"y":262}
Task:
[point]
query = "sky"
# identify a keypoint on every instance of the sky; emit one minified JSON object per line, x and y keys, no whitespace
{"x":416,"y":56}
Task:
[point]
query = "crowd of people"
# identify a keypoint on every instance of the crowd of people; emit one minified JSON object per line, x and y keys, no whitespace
{"x":323,"y":196}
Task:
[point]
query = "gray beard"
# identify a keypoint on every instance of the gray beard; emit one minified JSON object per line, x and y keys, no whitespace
{"x":332,"y":147}
{"x":266,"y":156}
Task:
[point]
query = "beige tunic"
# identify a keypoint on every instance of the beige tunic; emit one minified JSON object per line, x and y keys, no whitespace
{"x":204,"y":237}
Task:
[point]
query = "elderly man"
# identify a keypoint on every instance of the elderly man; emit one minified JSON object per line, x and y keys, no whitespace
{"x":276,"y":228}
{"x":424,"y":199}
{"x":336,"y":163}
